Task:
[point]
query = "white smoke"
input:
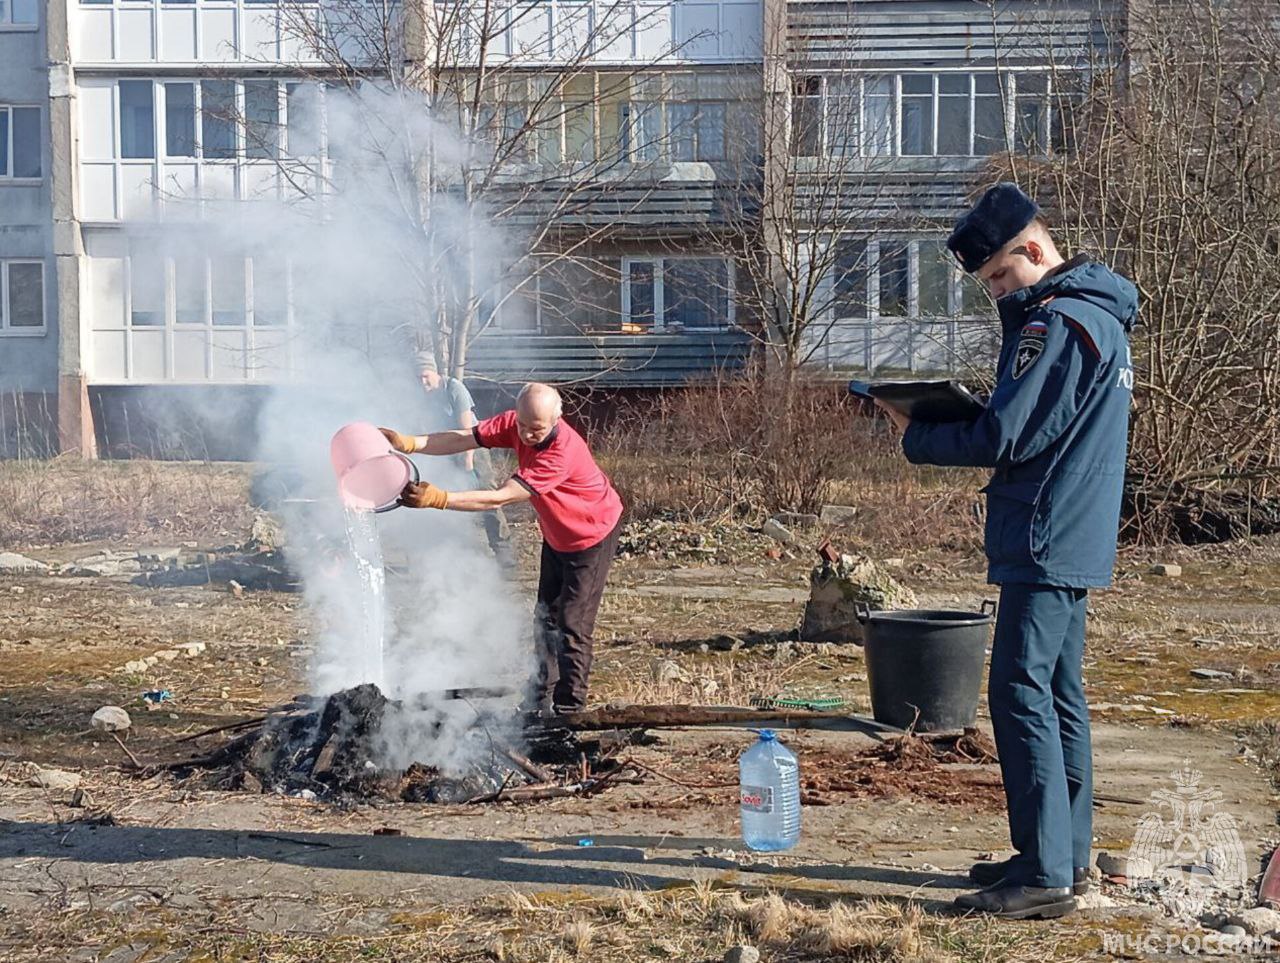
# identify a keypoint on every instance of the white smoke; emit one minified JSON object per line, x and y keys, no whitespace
{"x":370,"y":255}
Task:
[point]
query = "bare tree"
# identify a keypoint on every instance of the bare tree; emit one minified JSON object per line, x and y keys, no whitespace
{"x":836,"y":217}
{"x":1173,"y":176}
{"x":481,"y":154}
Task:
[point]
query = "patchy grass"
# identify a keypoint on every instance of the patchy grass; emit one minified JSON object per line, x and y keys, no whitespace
{"x":70,"y":500}
{"x":685,"y":923}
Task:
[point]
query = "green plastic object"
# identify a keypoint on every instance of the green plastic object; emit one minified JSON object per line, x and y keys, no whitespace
{"x":816,"y":704}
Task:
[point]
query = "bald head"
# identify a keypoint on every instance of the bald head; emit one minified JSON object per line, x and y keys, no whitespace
{"x":538,"y":408}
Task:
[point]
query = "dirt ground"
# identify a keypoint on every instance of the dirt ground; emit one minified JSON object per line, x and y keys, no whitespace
{"x":156,"y":868}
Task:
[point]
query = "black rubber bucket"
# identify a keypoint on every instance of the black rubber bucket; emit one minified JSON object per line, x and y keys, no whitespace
{"x":926,"y":660}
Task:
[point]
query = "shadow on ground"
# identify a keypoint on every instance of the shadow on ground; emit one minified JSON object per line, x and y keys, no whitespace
{"x":611,"y":861}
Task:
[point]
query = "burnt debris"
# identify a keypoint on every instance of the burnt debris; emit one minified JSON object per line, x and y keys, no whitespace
{"x":334,"y":749}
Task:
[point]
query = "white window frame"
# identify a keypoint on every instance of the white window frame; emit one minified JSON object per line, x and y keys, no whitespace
{"x":6,"y":328}
{"x":284,"y":48}
{"x":169,"y":269}
{"x":9,"y":178}
{"x":627,"y":139}
{"x":170,"y":326}
{"x":9,"y":25}
{"x":1008,"y":83}
{"x":659,"y":263}
{"x":239,"y":163}
{"x":955,"y":282}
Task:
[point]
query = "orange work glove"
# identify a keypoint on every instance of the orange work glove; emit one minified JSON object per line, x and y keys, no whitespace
{"x":401,"y":443}
{"x":424,"y":495}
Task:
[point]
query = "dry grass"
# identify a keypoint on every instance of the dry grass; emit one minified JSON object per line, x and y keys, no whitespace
{"x":688,"y":923}
{"x":728,"y":682}
{"x":70,"y":500}
{"x":578,"y":936}
{"x":745,"y":449}
{"x":875,"y":932}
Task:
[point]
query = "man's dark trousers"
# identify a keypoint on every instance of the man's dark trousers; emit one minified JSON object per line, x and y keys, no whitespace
{"x":1041,"y":723}
{"x":570,"y":586}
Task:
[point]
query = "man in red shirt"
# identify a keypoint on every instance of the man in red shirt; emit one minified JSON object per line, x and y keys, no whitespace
{"x":578,"y":511}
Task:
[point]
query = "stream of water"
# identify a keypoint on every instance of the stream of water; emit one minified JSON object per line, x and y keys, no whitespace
{"x":371,"y":578}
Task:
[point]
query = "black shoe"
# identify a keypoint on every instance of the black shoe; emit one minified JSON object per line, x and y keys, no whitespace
{"x":1019,"y":902}
{"x":992,"y":873}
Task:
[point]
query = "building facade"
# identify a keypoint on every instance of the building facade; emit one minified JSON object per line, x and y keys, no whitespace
{"x":121,"y":117}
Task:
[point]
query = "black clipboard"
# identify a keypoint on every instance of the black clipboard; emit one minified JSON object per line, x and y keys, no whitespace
{"x":935,"y":401}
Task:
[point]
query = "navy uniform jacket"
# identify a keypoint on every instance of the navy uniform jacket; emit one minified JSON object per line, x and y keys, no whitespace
{"x":1055,"y":429}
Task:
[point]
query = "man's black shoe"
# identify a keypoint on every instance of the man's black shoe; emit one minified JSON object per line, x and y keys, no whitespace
{"x":991,"y":873}
{"x":1019,"y":902}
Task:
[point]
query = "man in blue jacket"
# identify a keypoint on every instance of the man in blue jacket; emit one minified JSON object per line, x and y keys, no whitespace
{"x":1056,"y":434}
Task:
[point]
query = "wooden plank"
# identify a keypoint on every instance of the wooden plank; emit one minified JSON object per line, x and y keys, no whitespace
{"x":681,"y":716}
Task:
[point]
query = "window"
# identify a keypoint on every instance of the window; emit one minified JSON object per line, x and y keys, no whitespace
{"x":955,"y":114}
{"x":137,"y":119}
{"x":270,"y":290}
{"x":895,"y":279}
{"x":218,"y":118}
{"x":917,"y":115}
{"x":697,"y":131}
{"x":988,"y":115}
{"x":20,"y":142}
{"x":1030,"y":114}
{"x":677,"y":292}
{"x":934,"y":279}
{"x":180,"y":120}
{"x":850,"y":294}
{"x":806,"y":117}
{"x":882,"y":137}
{"x":227,"y":290}
{"x":695,"y":292}
{"x":190,"y":277}
{"x":574,"y":120}
{"x":207,"y":290}
{"x":261,"y":119}
{"x":640,"y":130}
{"x":555,"y":295}
{"x":642,"y":287}
{"x":566,"y":295}
{"x":579,"y":133}
{"x":302,"y":106}
{"x":18,"y":13}
{"x":146,"y":289}
{"x":844,"y":116}
{"x":902,"y":279}
{"x":510,"y":304}
{"x":924,"y":115}
{"x":22,"y":296}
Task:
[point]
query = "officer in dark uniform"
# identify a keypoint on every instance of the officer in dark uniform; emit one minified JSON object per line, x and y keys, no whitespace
{"x":1056,"y":434}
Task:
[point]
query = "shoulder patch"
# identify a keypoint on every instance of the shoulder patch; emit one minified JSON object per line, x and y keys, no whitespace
{"x":1030,"y":347}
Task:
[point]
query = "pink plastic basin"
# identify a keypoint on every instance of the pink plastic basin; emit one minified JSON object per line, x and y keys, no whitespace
{"x":371,"y":474}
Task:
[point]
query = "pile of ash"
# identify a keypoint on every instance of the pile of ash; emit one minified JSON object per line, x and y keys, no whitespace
{"x":332,"y":748}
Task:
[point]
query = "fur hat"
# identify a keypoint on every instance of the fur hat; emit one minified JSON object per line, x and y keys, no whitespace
{"x":1001,"y":215}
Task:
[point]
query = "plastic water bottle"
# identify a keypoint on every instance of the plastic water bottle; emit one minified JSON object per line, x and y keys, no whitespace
{"x":769,"y":781}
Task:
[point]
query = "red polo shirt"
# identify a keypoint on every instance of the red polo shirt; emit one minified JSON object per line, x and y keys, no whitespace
{"x":576,"y":504}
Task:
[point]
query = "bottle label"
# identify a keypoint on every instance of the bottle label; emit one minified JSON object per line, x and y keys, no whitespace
{"x":757,"y":799}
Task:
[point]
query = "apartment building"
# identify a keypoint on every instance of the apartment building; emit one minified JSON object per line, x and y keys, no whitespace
{"x":28,"y":278}
{"x":121,"y":119}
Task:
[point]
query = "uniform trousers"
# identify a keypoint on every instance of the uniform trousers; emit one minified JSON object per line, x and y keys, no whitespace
{"x":1041,"y":722}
